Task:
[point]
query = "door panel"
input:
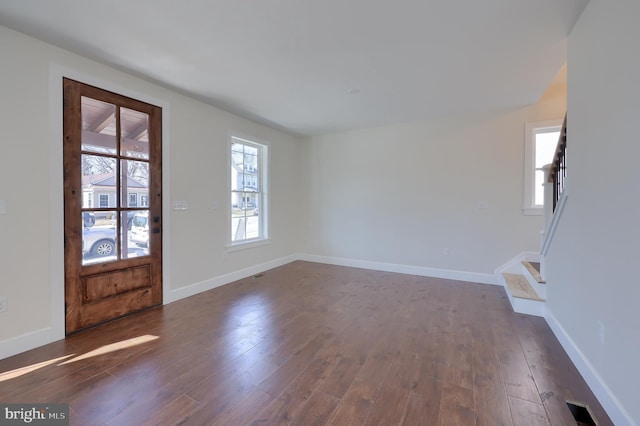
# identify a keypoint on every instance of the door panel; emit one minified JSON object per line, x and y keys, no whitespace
{"x":113,"y":205}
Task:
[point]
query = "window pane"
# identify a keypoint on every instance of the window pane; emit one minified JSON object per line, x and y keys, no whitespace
{"x":253,"y":227}
{"x":238,"y":219}
{"x":98,"y":181}
{"x":237,"y":172}
{"x":545,"y":147}
{"x":250,"y":181}
{"x":88,"y":219}
{"x":246,"y":195}
{"x":104,"y":200}
{"x":99,"y":242}
{"x":539,"y":188}
{"x":98,"y":126}
{"x":134,"y":181}
{"x":134,"y":226}
{"x":250,"y":158}
{"x":134,"y":126}
{"x":256,"y":210}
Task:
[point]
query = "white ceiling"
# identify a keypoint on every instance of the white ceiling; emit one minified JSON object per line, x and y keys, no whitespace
{"x":291,"y":63}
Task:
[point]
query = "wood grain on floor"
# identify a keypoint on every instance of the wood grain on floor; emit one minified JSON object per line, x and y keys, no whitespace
{"x":312,"y":344}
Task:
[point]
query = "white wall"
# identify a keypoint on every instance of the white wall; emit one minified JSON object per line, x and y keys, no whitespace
{"x":402,"y":194}
{"x":196,"y":170}
{"x":592,"y":265}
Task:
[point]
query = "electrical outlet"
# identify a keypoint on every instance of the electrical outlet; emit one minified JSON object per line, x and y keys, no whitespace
{"x":446,"y":251}
{"x":3,"y":304}
{"x":601,"y":332}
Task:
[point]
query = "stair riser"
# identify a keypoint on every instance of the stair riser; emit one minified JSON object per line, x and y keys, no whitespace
{"x":528,"y":307}
{"x":541,"y":289}
{"x":524,"y":306}
{"x":519,"y":305}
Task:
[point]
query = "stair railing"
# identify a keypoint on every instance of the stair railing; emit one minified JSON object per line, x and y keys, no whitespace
{"x":553,"y":190}
{"x":558,"y":170}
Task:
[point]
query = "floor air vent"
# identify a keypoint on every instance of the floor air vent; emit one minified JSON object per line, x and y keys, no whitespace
{"x":582,"y":414}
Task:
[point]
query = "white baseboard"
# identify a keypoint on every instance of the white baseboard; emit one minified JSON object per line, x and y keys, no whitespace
{"x":403,"y":269}
{"x":28,"y":341}
{"x":610,"y":403}
{"x":619,"y":416}
{"x":44,"y":336}
{"x":193,"y":289}
{"x":34,"y":339}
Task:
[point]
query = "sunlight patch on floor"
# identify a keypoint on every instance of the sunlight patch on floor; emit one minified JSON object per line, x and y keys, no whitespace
{"x":124,"y":344}
{"x":8,"y":375}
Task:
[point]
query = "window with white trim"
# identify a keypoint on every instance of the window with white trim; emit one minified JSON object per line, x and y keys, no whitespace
{"x":248,"y":164}
{"x":540,"y":145}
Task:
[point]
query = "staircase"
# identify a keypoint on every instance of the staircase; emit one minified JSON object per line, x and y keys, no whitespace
{"x":524,"y":285}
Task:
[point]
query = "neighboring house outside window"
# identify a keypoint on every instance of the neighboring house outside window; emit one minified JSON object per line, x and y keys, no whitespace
{"x":541,"y":140}
{"x":102,"y":188}
{"x":248,"y":164}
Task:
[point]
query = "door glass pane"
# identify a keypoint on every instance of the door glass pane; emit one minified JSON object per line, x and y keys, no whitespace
{"x":88,"y":219}
{"x":135,"y":183}
{"x":98,"y":126}
{"x":98,"y":181}
{"x":134,"y":227}
{"x":135,"y":134}
{"x":99,"y":241}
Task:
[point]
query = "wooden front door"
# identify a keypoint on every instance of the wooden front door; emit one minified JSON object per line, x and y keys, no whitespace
{"x":112,"y":205}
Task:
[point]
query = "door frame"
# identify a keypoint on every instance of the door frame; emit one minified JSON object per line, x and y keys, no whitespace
{"x":100,"y":289}
{"x":56,"y":331}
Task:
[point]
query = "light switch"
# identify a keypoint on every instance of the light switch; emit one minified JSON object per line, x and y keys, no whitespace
{"x":180,"y":205}
{"x":3,"y":207}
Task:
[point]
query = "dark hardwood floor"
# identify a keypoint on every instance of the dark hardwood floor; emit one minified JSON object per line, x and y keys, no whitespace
{"x":309,"y":344}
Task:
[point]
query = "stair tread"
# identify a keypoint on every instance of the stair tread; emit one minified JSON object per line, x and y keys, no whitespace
{"x":535,"y":273}
{"x":520,"y":287}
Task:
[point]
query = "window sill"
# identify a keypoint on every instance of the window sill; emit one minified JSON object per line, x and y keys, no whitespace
{"x":533,"y":211}
{"x":246,"y":245}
